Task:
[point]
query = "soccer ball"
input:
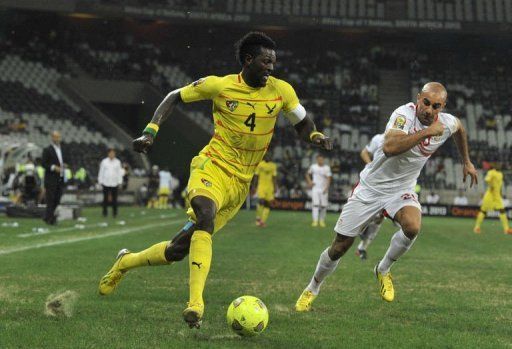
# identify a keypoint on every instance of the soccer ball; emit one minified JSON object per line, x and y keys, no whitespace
{"x":247,"y":316}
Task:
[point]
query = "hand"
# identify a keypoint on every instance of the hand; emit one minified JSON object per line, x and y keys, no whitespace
{"x":143,"y":143}
{"x":436,"y":129}
{"x":322,"y":142}
{"x":57,"y":168}
{"x":310,"y":185}
{"x":326,"y":190}
{"x":470,"y":170}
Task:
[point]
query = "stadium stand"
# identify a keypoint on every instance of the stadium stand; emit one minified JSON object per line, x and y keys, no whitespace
{"x":338,"y":83}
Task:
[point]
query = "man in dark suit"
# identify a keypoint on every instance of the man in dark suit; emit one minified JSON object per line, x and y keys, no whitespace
{"x":53,"y":163}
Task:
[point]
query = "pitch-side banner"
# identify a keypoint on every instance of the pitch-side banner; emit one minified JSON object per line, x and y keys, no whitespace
{"x":427,"y":210}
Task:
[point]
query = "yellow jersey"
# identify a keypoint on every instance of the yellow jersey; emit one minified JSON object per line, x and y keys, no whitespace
{"x":244,"y":118}
{"x":266,"y":172}
{"x":494,"y":180}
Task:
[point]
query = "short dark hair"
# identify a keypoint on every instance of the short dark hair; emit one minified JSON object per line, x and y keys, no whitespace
{"x":250,"y":45}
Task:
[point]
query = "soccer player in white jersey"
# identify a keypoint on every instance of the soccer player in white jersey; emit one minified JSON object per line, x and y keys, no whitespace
{"x":319,"y":179}
{"x":413,"y":133}
{"x":371,"y":231}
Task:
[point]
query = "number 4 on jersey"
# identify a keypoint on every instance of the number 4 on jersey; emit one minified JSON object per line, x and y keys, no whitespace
{"x":251,"y":121}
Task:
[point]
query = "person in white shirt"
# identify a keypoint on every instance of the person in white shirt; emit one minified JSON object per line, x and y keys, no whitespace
{"x":461,"y":199}
{"x":110,"y":177}
{"x":371,"y":231}
{"x":413,"y":133}
{"x":432,"y":198}
{"x":164,"y":189}
{"x":319,"y":178}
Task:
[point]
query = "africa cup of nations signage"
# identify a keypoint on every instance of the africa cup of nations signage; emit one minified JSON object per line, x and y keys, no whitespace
{"x":427,"y":210}
{"x":282,"y":19}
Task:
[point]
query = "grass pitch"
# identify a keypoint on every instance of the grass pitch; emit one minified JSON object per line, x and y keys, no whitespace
{"x":453,"y":289}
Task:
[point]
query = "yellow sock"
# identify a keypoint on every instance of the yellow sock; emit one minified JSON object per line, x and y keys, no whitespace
{"x":154,"y":255}
{"x":504,"y":221}
{"x":165,"y":202}
{"x":199,"y":264}
{"x":479,"y":219}
{"x":161,"y":202}
{"x":259,"y":209}
{"x":264,"y":214}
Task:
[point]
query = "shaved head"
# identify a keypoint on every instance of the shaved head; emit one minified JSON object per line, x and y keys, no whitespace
{"x":435,"y":88}
{"x":431,"y":101}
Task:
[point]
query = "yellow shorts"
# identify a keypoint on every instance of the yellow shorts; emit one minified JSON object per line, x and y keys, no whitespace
{"x":164,"y":191}
{"x":265,"y":193}
{"x":226,"y":190}
{"x":491,"y":202}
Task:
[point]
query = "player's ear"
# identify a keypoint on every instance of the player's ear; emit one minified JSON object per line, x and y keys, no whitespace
{"x":248,"y":59}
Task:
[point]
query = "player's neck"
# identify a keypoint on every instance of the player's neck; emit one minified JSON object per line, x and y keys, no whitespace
{"x":247,"y":79}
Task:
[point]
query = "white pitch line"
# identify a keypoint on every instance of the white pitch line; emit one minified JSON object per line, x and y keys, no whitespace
{"x":87,"y":226}
{"x":101,"y":235}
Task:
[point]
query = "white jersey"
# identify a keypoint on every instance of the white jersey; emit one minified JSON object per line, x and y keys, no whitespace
{"x":375,"y":143}
{"x":387,"y":175}
{"x":320,"y":176}
{"x":165,"y":179}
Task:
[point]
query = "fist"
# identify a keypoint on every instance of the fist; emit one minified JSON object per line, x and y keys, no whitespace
{"x":322,"y":142}
{"x":143,"y":143}
{"x":436,"y":129}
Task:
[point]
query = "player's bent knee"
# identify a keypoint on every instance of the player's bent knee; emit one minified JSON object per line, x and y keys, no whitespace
{"x":204,"y":209}
{"x":411,"y":230}
{"x":340,"y":245}
{"x":176,"y":252}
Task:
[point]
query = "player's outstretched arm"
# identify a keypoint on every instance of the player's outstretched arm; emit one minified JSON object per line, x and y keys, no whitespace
{"x":306,"y":130}
{"x":461,"y":141}
{"x":144,"y":142}
{"x":397,"y":142}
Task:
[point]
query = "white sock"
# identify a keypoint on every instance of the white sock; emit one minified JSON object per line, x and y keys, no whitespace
{"x":323,"y":211}
{"x":315,"y":213}
{"x":324,"y":267}
{"x":360,"y":247}
{"x":398,"y":246}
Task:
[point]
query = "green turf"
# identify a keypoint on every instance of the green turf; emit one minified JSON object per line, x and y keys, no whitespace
{"x":453,"y":289}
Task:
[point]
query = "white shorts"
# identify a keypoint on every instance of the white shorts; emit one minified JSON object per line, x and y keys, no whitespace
{"x":364,"y":204}
{"x":319,"y":198}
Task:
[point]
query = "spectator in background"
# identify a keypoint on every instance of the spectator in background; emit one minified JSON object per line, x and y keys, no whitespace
{"x":153,"y":185}
{"x":126,"y":175}
{"x":460,"y":199}
{"x":53,"y":163}
{"x":432,"y":198}
{"x":110,"y":177}
{"x":164,"y":188}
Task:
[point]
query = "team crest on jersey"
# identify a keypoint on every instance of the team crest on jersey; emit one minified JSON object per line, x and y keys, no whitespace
{"x":399,"y":122}
{"x":232,"y":105}
{"x":198,"y":82}
{"x":206,"y":182}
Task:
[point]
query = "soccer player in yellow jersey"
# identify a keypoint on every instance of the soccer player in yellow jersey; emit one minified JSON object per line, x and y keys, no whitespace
{"x":245,"y":108}
{"x":266,"y":176}
{"x":492,"y":200}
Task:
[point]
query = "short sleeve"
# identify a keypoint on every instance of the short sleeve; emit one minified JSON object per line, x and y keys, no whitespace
{"x":290,"y":99}
{"x":328,"y":172}
{"x":399,"y":122}
{"x":274,"y":170}
{"x":452,"y":123}
{"x":202,"y":89}
{"x":373,"y":145}
{"x":310,"y":170}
